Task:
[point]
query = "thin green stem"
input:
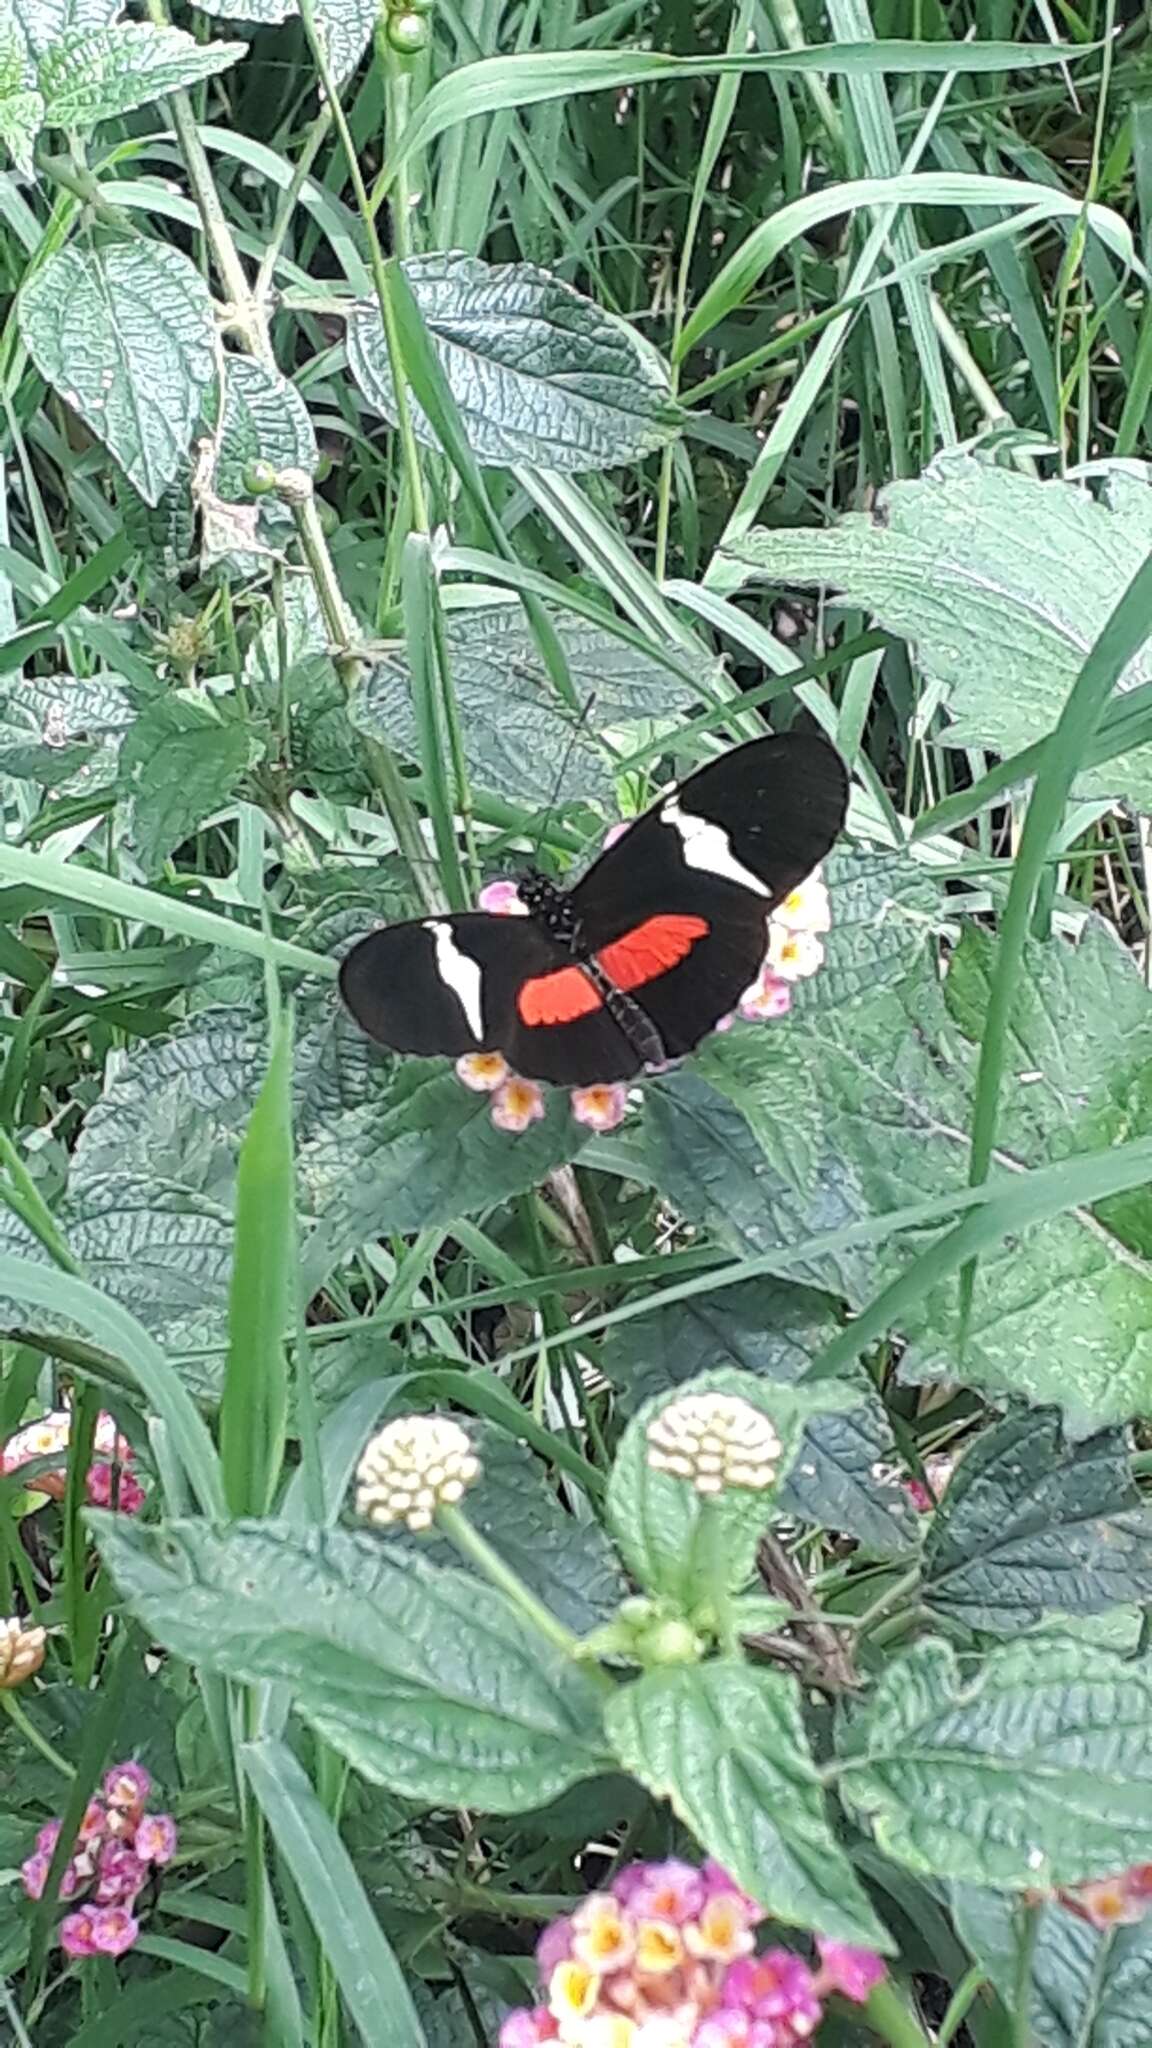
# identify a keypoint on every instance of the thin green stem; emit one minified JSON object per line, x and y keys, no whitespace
{"x":31,"y":1734}
{"x":1028,"y":1929}
{"x":478,"y":1551}
{"x":889,"y":2016}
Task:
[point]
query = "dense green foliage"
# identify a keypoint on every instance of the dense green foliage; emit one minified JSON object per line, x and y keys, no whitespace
{"x":422,"y":438}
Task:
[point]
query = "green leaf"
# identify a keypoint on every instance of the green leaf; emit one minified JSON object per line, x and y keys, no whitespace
{"x":1034,"y":1771}
{"x":425,"y":1680}
{"x":426,"y":1153}
{"x":324,"y":1874}
{"x":539,"y":373}
{"x":1091,"y":1987}
{"x":178,"y":764}
{"x":842,"y":1476}
{"x":93,"y":74}
{"x":254,"y":1404}
{"x":43,"y":23}
{"x":21,"y":106}
{"x":136,"y":353}
{"x":725,"y":1743}
{"x":1002,"y":584}
{"x":519,"y":738}
{"x":63,"y":731}
{"x":346,"y":24}
{"x":670,"y":1535}
{"x":1028,"y":1527}
{"x":265,"y":420}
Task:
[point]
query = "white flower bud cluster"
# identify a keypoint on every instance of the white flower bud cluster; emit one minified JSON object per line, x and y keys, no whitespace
{"x":412,"y":1467}
{"x":21,"y":1652}
{"x":714,"y":1441}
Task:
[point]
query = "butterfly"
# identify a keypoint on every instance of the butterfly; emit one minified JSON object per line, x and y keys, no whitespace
{"x":640,"y":960}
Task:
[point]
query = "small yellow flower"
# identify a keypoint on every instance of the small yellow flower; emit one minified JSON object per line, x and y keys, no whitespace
{"x":412,"y":1467}
{"x":601,"y":1935}
{"x":572,"y":1991}
{"x":721,"y":1932}
{"x":607,"y":2030}
{"x":659,"y":1948}
{"x":482,"y":1071}
{"x":21,"y":1652}
{"x":806,"y":908}
{"x":793,"y":956}
{"x":516,"y":1104}
{"x":714,"y":1441}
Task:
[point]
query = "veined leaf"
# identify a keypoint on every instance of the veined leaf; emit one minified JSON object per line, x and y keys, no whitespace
{"x":178,"y":764}
{"x":1033,"y":1772}
{"x":134,"y":354}
{"x":90,"y":75}
{"x":726,"y":1745}
{"x":1091,"y":1986}
{"x":425,"y":1680}
{"x":1001,"y":583}
{"x":539,"y":374}
{"x":43,"y":23}
{"x":1029,"y":1527}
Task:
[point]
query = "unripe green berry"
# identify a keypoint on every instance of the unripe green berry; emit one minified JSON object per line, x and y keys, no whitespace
{"x":260,"y":479}
{"x":407,"y":33}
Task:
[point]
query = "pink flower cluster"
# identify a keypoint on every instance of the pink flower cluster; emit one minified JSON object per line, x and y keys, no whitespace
{"x":1119,"y":1901}
{"x":111,"y":1481}
{"x":118,"y":1846}
{"x":795,"y":951}
{"x":938,"y":1470}
{"x":666,"y":1958}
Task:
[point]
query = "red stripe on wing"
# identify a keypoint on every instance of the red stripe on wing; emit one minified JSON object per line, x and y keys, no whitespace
{"x":651,"y":949}
{"x":558,"y":998}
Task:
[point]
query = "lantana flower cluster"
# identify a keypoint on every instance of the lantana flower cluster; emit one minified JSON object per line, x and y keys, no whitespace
{"x":118,"y":1847}
{"x":666,"y":1958}
{"x":795,"y":951}
{"x":111,"y":1480}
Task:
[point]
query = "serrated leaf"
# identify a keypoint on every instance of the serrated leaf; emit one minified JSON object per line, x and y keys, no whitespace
{"x":540,"y":375}
{"x":63,"y":731}
{"x":842,"y":1476}
{"x":1029,"y":1526}
{"x":669,"y":1535}
{"x":1001,"y":582}
{"x":725,"y":1743}
{"x":427,"y":1153}
{"x":886,"y":910}
{"x":1091,"y":1987}
{"x":135,"y":353}
{"x":43,"y":23}
{"x":21,"y":119}
{"x":178,"y":764}
{"x":425,"y":1680}
{"x":94,"y":74}
{"x":1035,"y":1771}
{"x":346,"y":24}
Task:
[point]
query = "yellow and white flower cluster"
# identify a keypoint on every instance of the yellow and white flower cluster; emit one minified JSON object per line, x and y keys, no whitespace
{"x":714,"y":1441}
{"x":412,"y":1467}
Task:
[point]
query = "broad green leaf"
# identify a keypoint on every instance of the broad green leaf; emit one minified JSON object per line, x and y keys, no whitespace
{"x":178,"y":764}
{"x":1002,"y":584}
{"x":427,"y":1152}
{"x":63,"y":731}
{"x":539,"y":373}
{"x":1091,"y":1987}
{"x":94,"y":74}
{"x":843,"y":1476}
{"x":521,"y":741}
{"x":135,"y":354}
{"x":43,"y":23}
{"x":345,"y":24}
{"x":425,"y":1680}
{"x":671,"y":1537}
{"x":725,"y":1744}
{"x":265,"y":420}
{"x":1029,"y":1527}
{"x":886,"y":911}
{"x":839,"y":1115}
{"x":1033,"y":1770}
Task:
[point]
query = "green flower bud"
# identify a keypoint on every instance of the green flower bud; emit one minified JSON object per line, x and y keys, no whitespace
{"x":260,"y":479}
{"x":407,"y":33}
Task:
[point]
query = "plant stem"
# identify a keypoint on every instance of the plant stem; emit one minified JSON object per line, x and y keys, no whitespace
{"x":32,"y":1734}
{"x":889,"y":2016}
{"x":471,"y":1545}
{"x":1028,"y":1928}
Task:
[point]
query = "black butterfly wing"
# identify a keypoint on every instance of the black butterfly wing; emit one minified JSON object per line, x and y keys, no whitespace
{"x":676,"y":910}
{"x":452,"y":985}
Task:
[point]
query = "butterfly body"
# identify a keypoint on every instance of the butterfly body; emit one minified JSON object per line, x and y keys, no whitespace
{"x":639,"y":961}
